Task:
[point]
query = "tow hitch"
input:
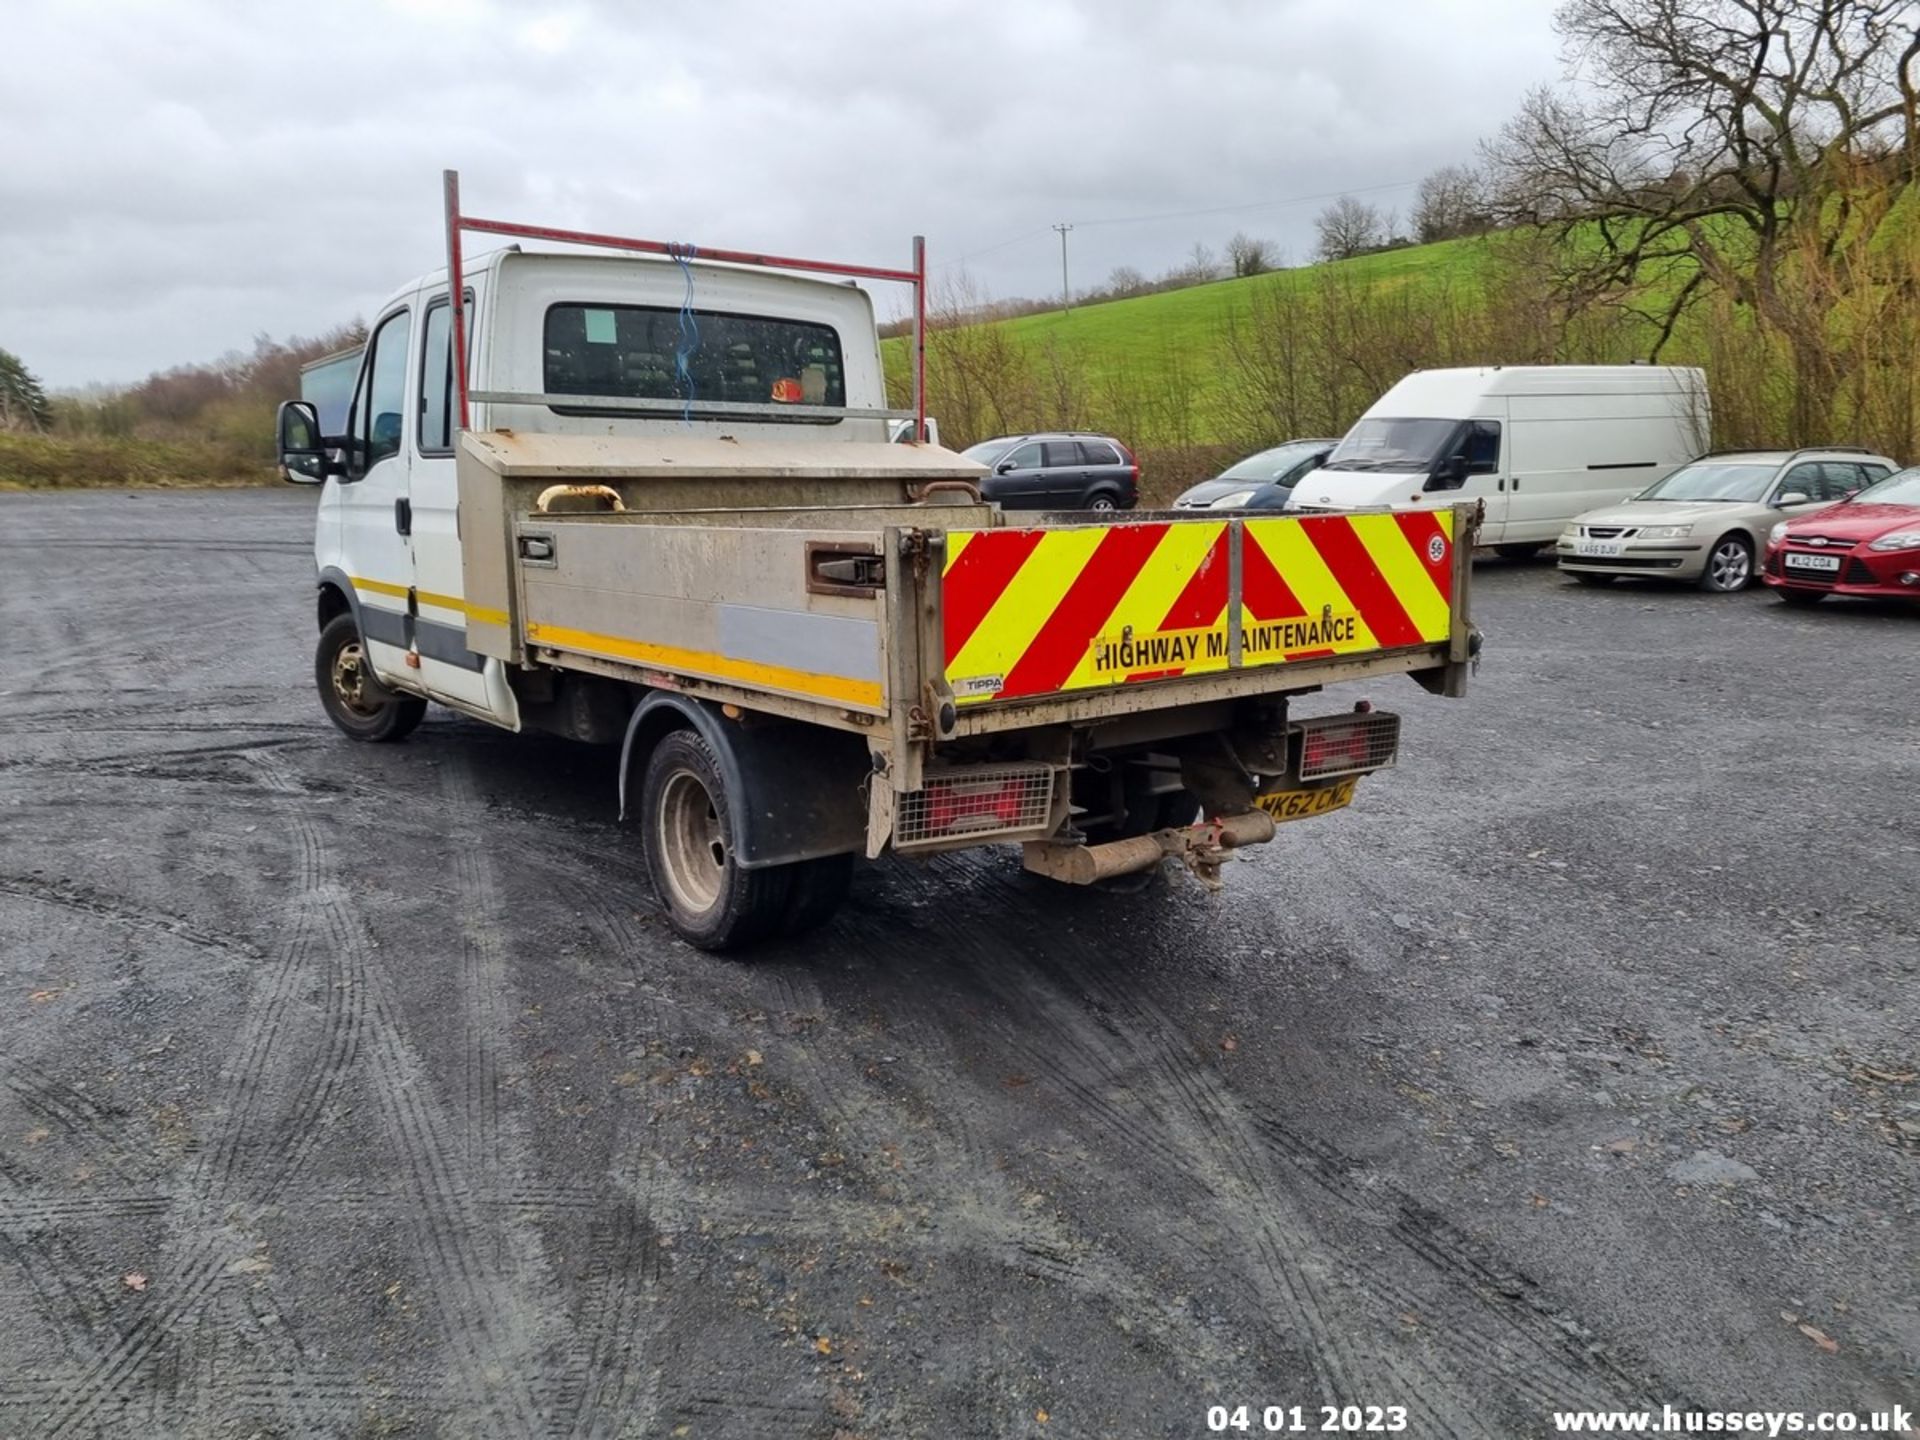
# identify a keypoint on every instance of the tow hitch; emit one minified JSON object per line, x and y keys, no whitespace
{"x":1201,"y":847}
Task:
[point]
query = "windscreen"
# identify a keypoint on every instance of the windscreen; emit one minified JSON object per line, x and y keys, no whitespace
{"x":1392,"y":444}
{"x":987,"y":451}
{"x":1900,"y":489}
{"x":641,"y":352}
{"x":1269,"y":463}
{"x":1713,"y":482}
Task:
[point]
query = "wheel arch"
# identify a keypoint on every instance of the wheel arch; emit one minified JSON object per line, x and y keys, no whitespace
{"x":334,"y":595}
{"x":797,"y":791}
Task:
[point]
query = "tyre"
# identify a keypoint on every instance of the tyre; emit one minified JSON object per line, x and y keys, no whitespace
{"x":1729,"y":565}
{"x":1588,"y":577}
{"x":711,"y":902}
{"x":1517,"y":551}
{"x":1800,"y":597}
{"x":1103,"y":502}
{"x":816,"y":889}
{"x":354,"y":700}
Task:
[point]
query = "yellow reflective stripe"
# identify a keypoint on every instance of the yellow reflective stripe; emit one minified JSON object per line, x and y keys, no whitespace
{"x":1147,"y":600}
{"x":427,"y":597}
{"x":1307,"y":575}
{"x":1404,"y":573}
{"x":957,"y":541}
{"x":453,"y":602}
{"x":840,"y":689}
{"x":1027,"y":603}
{"x":378,"y":587}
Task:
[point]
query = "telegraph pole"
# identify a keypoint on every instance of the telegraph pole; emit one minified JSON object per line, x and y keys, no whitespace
{"x":1066,"y":292}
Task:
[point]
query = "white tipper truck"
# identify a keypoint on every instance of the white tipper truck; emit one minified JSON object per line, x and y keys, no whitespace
{"x":658,"y":508}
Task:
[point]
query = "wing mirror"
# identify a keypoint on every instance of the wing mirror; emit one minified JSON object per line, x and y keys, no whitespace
{"x":1005,"y":467}
{"x":1794,"y":497}
{"x":303,"y":449}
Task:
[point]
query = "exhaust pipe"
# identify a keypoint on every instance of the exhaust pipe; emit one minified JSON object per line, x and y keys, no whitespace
{"x":1202,"y":847}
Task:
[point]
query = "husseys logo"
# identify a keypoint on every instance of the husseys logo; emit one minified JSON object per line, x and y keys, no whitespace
{"x":1129,"y":653}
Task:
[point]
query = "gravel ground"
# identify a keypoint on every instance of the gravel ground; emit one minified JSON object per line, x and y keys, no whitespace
{"x":358,"y":1090}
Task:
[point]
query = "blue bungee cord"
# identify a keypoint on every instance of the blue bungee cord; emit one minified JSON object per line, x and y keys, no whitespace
{"x":689,"y":330}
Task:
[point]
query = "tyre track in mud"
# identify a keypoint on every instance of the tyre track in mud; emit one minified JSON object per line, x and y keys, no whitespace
{"x":1104,"y":1033}
{"x":481,"y":1319}
{"x":357,"y":1001}
{"x":87,"y":900}
{"x":212,"y":1242}
{"x":614,"y":1381}
{"x":959,"y":1200}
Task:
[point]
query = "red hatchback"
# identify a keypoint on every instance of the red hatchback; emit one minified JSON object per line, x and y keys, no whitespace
{"x":1866,"y":545}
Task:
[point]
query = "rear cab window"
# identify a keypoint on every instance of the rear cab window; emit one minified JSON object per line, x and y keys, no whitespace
{"x":657,"y":352}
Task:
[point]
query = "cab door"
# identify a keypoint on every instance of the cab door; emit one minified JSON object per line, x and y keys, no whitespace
{"x":374,"y":498}
{"x":451,"y":671}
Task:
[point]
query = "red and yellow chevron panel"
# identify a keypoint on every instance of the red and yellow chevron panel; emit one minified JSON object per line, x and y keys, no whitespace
{"x":1034,"y":612}
{"x":1344,"y":584}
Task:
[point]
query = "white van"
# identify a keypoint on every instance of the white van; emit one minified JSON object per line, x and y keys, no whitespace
{"x":1537,"y":444}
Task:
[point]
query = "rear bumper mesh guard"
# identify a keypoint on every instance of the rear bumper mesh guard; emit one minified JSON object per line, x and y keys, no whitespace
{"x":979,"y":802}
{"x":1334,"y":745}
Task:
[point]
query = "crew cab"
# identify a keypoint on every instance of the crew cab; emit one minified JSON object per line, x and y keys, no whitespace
{"x":658,"y":508}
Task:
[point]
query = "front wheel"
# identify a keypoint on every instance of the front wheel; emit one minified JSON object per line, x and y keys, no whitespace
{"x":1729,"y":565}
{"x":354,"y":700}
{"x":711,"y":901}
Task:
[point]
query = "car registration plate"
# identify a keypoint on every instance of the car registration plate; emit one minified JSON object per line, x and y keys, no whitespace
{"x":1303,"y":804}
{"x":1599,"y":549}
{"x":1812,"y":562}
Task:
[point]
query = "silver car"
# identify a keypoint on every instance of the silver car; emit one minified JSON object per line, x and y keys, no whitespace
{"x":1707,"y":522}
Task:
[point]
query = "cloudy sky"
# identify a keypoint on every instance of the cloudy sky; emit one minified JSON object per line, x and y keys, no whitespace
{"x":179,"y":177}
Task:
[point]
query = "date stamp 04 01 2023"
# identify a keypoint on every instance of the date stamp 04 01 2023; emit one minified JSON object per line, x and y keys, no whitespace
{"x":1307,"y":1419}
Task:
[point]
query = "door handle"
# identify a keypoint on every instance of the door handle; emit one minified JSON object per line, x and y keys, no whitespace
{"x":1500,"y":485}
{"x":1516,"y":482}
{"x":403,"y":516}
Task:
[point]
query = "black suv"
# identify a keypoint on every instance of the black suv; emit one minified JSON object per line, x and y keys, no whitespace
{"x":1065,"y":471}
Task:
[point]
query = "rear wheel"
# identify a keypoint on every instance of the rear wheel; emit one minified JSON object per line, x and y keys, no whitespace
{"x":354,"y":700}
{"x":711,"y":902}
{"x":1519,"y":551}
{"x":1588,"y":577}
{"x":1729,"y":564}
{"x":1103,"y":502}
{"x":1801,"y":597}
{"x":818,"y":887}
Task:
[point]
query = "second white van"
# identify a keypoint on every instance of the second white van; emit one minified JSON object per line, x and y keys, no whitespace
{"x":1536,"y":444}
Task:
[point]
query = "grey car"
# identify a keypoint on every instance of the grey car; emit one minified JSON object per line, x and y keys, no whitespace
{"x":1062,"y":470}
{"x":1707,"y":522}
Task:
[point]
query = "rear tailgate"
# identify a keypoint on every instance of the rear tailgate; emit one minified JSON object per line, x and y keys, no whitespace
{"x":1048,"y":610}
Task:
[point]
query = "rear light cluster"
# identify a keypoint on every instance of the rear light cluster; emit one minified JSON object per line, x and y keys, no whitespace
{"x":975,"y":803}
{"x":1347,"y":744}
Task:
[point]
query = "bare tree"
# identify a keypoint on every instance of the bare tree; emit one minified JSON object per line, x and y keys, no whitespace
{"x":1712,"y":140}
{"x":1125,"y":281}
{"x":1451,"y":201}
{"x":1249,"y":256}
{"x":1347,"y":227}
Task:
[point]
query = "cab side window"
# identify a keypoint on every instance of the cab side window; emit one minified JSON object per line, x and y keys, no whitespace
{"x":1062,"y":454}
{"x":1481,"y":447}
{"x":1025,"y":457}
{"x":381,"y":404}
{"x":436,"y":378}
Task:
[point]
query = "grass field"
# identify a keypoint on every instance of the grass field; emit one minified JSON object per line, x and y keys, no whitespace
{"x":1149,"y":340}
